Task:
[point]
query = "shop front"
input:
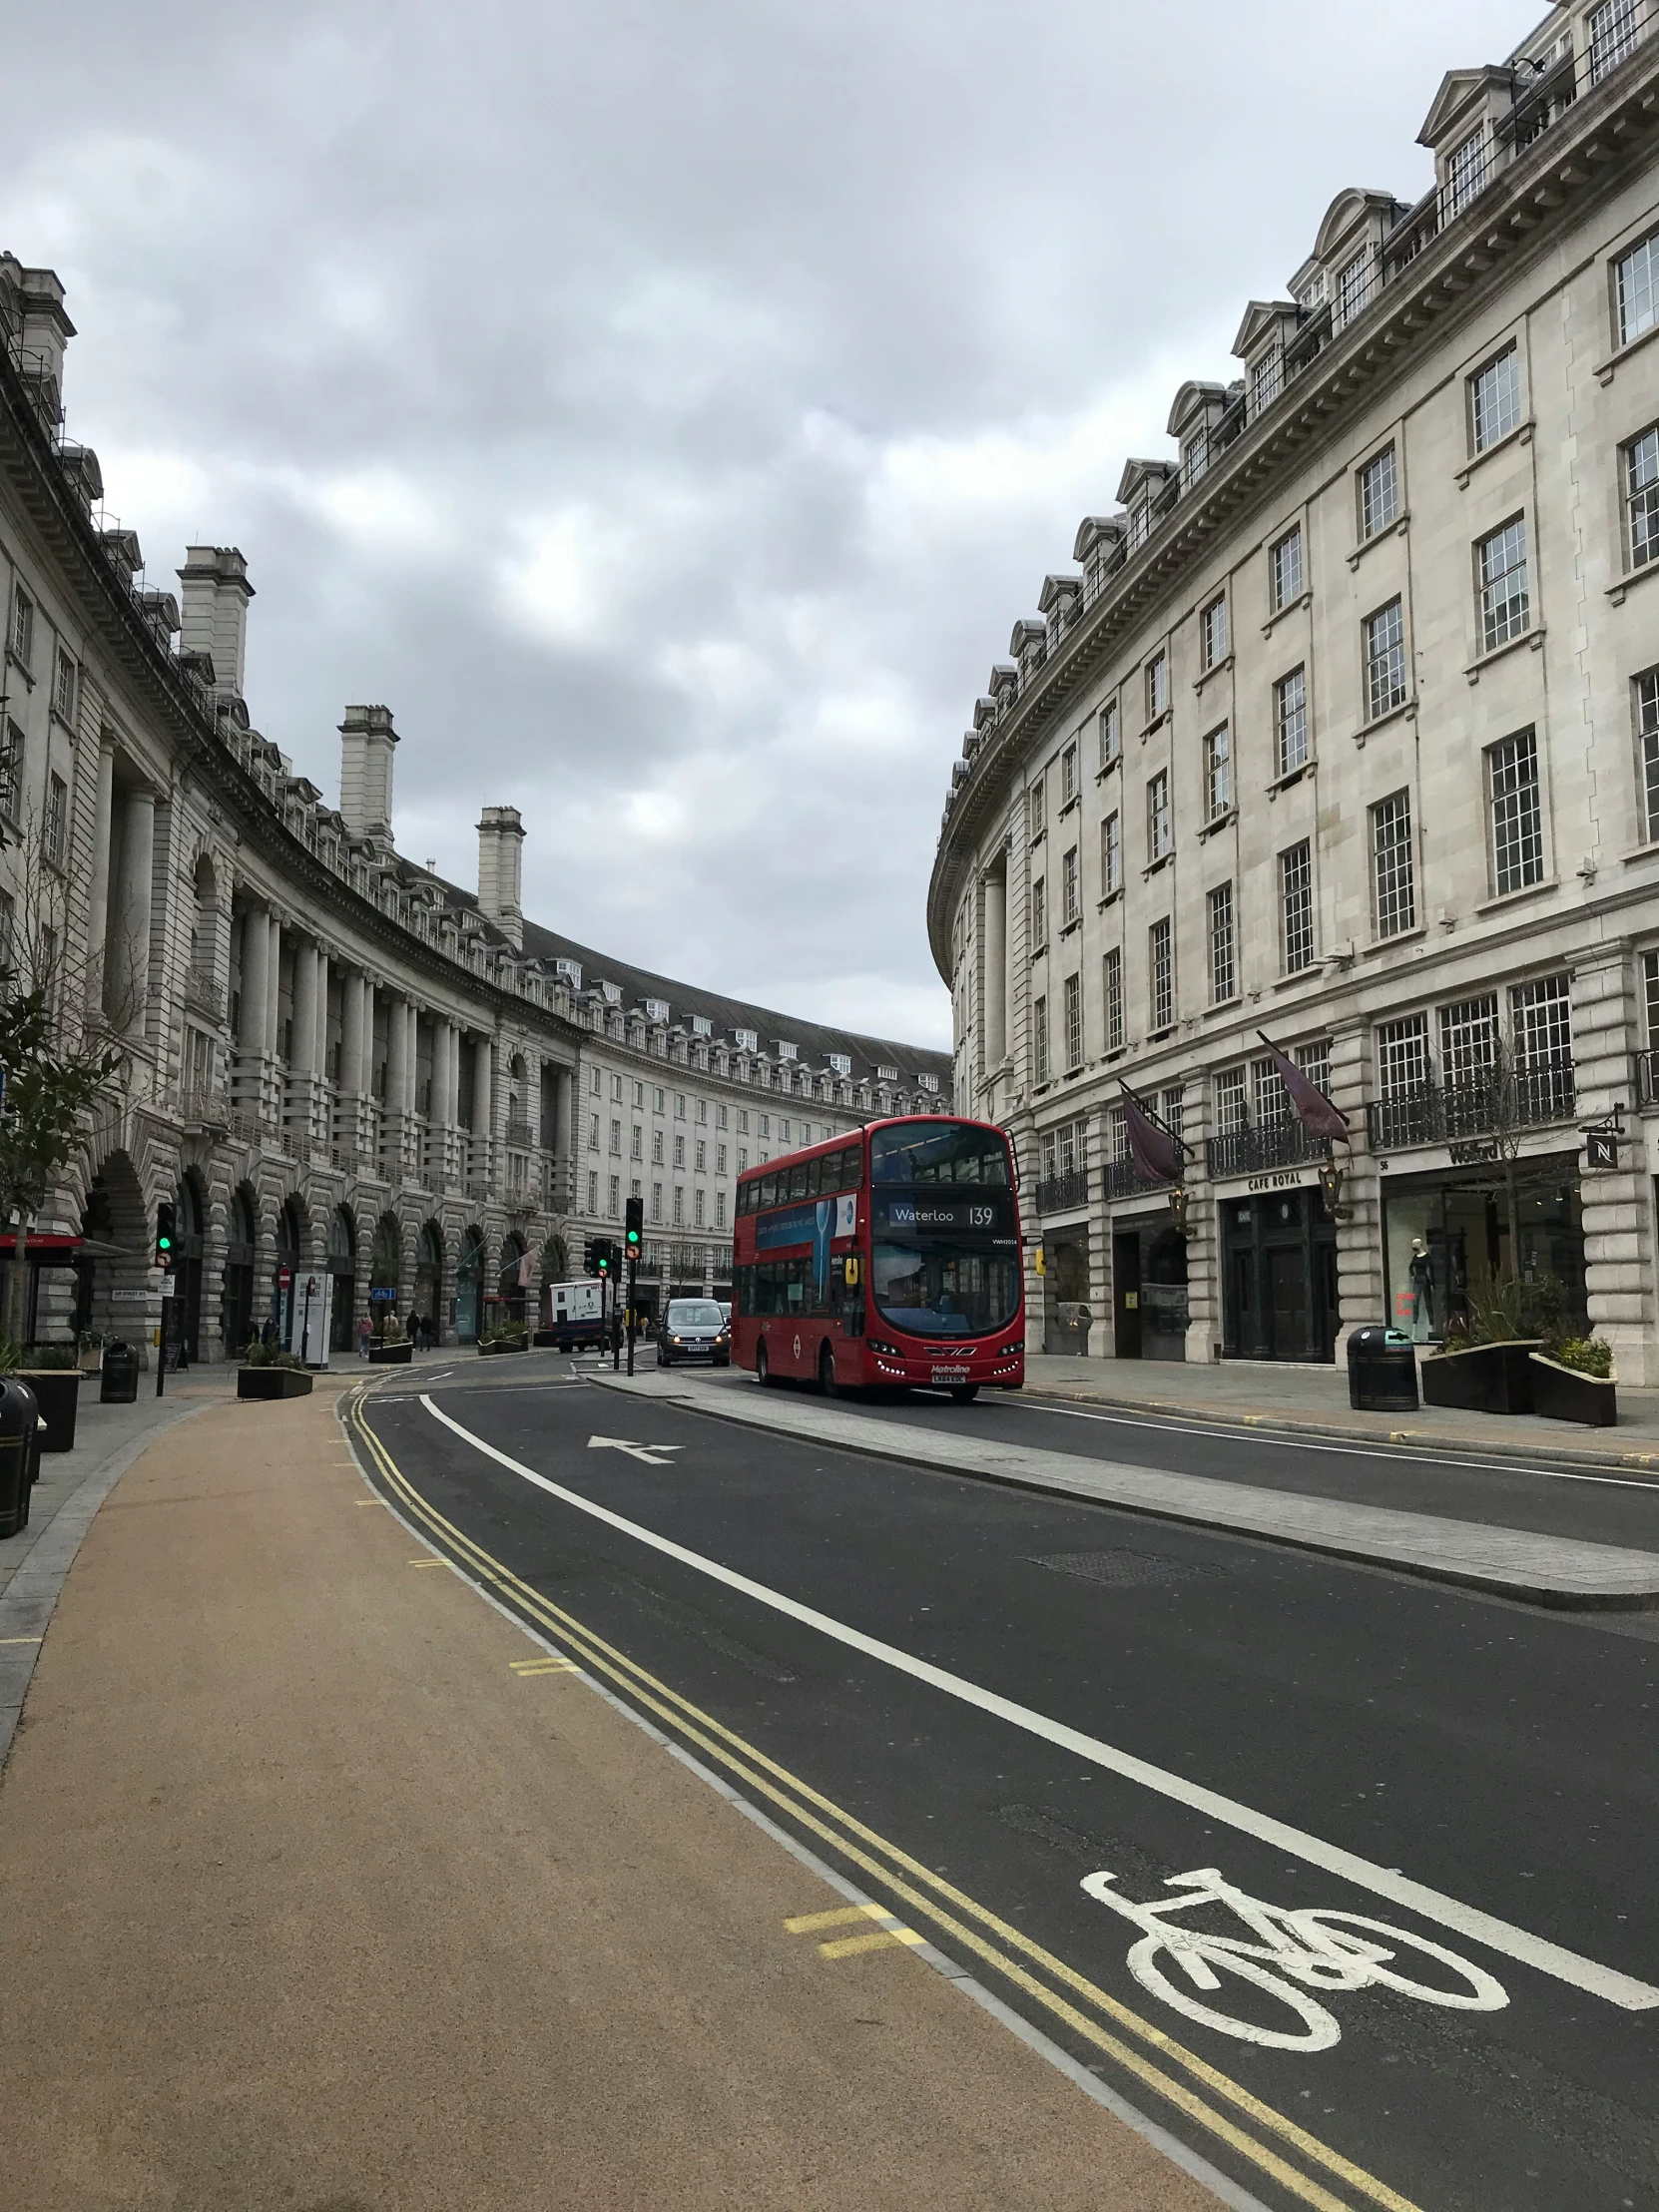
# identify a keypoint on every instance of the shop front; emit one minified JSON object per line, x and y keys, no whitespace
{"x":1066,"y":1315}
{"x":1149,"y":1287}
{"x":1277,"y":1270}
{"x":1449,"y":1231}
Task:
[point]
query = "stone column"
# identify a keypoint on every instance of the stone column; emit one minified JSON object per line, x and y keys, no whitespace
{"x":133,"y":906}
{"x":274,"y":994}
{"x":1360,"y":1285}
{"x":483,"y":1088}
{"x":411,"y":1055}
{"x":352,"y":1051}
{"x":397,"y":1057}
{"x":303,"y":1055}
{"x":98,"y":917}
{"x":319,"y":1050}
{"x":994,"y":974}
{"x":1617,"y":1205}
{"x":1204,"y":1288}
{"x":256,"y":979}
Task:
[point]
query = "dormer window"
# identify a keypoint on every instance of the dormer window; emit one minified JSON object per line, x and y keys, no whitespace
{"x":1615,"y":31}
{"x":1195,"y":456}
{"x":1466,"y":173}
{"x":1266,"y":380}
{"x":1353,"y":288}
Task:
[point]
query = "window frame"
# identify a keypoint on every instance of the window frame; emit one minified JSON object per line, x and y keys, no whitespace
{"x":1068,"y":773}
{"x":1394,"y":805}
{"x":1111,"y":983}
{"x":1640,"y":498}
{"x":1283,"y":722}
{"x":1111,"y":854}
{"x":1302,"y":937}
{"x":1221,"y":937}
{"x":1217,"y":773}
{"x":1160,"y":974}
{"x":1160,"y":819}
{"x":1283,"y":598}
{"x":1111,"y":735}
{"x":1496,"y":598}
{"x":1370,"y":527}
{"x":1520,"y":810}
{"x":1647,"y":251}
{"x":1645,"y":706}
{"x":1211,"y":633}
{"x":1481,"y":437}
{"x":1072,"y":1014}
{"x":1372,"y":660}
{"x":1157,"y":688}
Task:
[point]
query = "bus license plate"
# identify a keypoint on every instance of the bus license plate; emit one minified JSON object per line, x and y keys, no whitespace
{"x":950,"y":1375}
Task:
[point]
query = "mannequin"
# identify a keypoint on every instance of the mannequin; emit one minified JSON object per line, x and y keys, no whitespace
{"x":1422,"y":1291}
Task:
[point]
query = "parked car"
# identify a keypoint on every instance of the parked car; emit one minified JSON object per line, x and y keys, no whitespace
{"x":693,"y":1329}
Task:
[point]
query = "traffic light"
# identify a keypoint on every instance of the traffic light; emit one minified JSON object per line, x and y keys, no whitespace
{"x":634,"y":1225}
{"x":166,"y":1230}
{"x":604,"y":1253}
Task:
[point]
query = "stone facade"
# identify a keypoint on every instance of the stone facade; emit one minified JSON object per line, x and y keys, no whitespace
{"x":1344,"y":731}
{"x":335,"y":1062}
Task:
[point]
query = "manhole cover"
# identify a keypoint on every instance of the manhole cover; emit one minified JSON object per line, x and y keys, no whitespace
{"x":1125,"y":1571}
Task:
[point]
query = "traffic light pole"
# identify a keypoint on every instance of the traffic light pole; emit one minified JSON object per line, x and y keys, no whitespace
{"x":633,"y":1266}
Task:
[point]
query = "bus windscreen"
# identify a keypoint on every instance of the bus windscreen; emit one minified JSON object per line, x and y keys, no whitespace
{"x":945,"y":1262}
{"x":937,"y":1152}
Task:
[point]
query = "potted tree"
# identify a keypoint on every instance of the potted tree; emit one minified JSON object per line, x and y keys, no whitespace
{"x":503,"y":1336}
{"x":1484,"y":1364}
{"x":1574,"y":1380}
{"x":268,"y":1371}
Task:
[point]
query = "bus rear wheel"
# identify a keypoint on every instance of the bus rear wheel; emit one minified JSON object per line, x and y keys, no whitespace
{"x":762,"y":1365}
{"x":827,"y":1372}
{"x":964,"y":1393}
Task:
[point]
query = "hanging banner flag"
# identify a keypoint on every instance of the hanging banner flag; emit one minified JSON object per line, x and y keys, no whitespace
{"x":1157,"y":1155}
{"x":1312,"y":1109}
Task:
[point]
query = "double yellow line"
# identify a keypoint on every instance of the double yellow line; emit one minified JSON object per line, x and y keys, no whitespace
{"x":969,"y":1926}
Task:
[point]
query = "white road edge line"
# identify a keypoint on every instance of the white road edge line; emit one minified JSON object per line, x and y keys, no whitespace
{"x":1432,"y":1904}
{"x":1241,"y":1434}
{"x":1082,"y":2077}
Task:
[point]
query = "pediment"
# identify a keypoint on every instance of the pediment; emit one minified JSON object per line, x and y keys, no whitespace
{"x":1462,"y":91}
{"x":1261,"y":317}
{"x":1190,"y":401}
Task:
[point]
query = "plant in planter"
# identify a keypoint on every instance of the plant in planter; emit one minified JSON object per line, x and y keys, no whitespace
{"x":1484,"y":1365}
{"x":1574,"y":1380}
{"x":504,"y":1336}
{"x":51,"y":1372}
{"x":268,"y":1371}
{"x":391,"y":1347}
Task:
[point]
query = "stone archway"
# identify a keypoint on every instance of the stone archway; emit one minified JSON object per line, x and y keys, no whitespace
{"x":428,"y":1299}
{"x":292,"y":1237}
{"x":236,"y":1299}
{"x":509,"y":1283}
{"x":342,"y":1261}
{"x":190,"y":1216}
{"x":469,"y":1284}
{"x":112,"y":1290}
{"x":385,"y":1271}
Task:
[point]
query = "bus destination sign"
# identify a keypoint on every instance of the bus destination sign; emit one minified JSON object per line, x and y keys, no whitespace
{"x":947,"y":1213}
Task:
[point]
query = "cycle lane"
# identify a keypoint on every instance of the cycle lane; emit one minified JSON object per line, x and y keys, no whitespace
{"x":1315,"y":1693}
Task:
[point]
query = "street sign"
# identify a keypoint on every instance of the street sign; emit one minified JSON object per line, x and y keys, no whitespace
{"x":283,"y":1278}
{"x":379,"y":1298}
{"x":170,"y":1287}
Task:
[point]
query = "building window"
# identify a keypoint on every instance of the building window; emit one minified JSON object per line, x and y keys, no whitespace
{"x":1314,"y":1063}
{"x":56,"y":837}
{"x":1516,"y":823}
{"x":702,"y":1158}
{"x":719,"y":1209}
{"x":1541,"y":1029}
{"x":656,"y":1202}
{"x":636,"y":1143}
{"x":1264,"y":381}
{"x":743,"y":1121}
{"x":593,"y":1132}
{"x":1156,"y":686}
{"x":743,"y":1159}
{"x":615,"y":1206}
{"x":1286,"y":569}
{"x":1353,"y":289}
{"x":1108,"y":732}
{"x":1039,"y":1041}
{"x":1466,"y":174}
{"x":1111,"y":855}
{"x":1296,"y":907}
{"x":1615,"y":31}
{"x":596,"y":1083}
{"x":1159,"y":837}
{"x":1378,"y":494}
{"x":1394,"y":889}
{"x":1068,"y":775}
{"x":1112,"y":978}
{"x":1074,"y":1023}
{"x":1217,"y":773}
{"x":616,"y":1139}
{"x":11,"y":770}
{"x":1039,"y":915}
{"x":1504,"y":598}
{"x":1384,"y":661}
{"x":1641,"y":497}
{"x":1232,"y":1114}
{"x":765,"y":1125}
{"x":1224,"y":979}
{"x":1034,"y":811}
{"x":593,"y":1193}
{"x":679,"y":1105}
{"x":702,"y":1112}
{"x":23,"y":626}
{"x":1647,"y":736}
{"x":1468,"y":1040}
{"x":1070,"y":888}
{"x":679,"y":1152}
{"x":656,"y":1148}
{"x":1269,"y":1101}
{"x":616,"y":1089}
{"x":698,"y":1204}
{"x":1402,"y":1056}
{"x":1638,"y":289}
{"x":721,"y":1121}
{"x":1494,"y":400}
{"x":1161,"y":974}
{"x":678,"y":1206}
{"x":63,"y":688}
{"x":1211,"y":633}
{"x":1290,"y":718}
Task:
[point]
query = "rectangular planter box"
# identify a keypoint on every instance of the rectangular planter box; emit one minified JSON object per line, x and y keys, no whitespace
{"x":1486,"y":1378}
{"x":1562,"y":1394}
{"x":390,"y":1356}
{"x":273,"y":1383}
{"x":58,"y":1394}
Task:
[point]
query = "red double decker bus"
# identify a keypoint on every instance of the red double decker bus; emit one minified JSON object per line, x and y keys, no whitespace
{"x":891,"y":1256}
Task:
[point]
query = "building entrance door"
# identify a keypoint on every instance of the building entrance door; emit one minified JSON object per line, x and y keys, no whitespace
{"x":1287,"y":1304}
{"x":1126,"y":1297}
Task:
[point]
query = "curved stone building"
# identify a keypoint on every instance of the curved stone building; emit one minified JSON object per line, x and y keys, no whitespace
{"x":335,"y":1064}
{"x":1342,"y":736}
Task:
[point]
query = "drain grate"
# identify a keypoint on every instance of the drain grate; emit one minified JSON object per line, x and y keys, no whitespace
{"x":1126,"y":1570}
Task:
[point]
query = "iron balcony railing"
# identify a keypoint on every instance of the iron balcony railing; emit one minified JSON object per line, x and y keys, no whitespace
{"x":520,"y":1131}
{"x":1477,"y":1109}
{"x":1056,"y":1194}
{"x":1270,"y":1144}
{"x":1122,"y":1179}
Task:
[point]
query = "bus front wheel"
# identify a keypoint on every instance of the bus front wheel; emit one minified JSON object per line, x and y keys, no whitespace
{"x":964,"y":1393}
{"x":762,"y":1365}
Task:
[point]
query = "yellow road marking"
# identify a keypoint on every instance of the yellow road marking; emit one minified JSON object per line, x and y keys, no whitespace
{"x":429,"y":1563}
{"x":754,"y":1767}
{"x":18,"y":1639}
{"x":882,"y":1940}
{"x":808,"y":1924}
{"x":525,"y":1667}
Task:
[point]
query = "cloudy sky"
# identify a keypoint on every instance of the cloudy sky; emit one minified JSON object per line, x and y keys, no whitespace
{"x":666,"y":407}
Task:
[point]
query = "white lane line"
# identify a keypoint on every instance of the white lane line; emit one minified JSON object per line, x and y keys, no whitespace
{"x":1270,"y":1436}
{"x":1483,"y":1927}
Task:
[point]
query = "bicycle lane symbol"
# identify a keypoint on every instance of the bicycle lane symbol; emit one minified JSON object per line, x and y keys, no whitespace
{"x":1296,"y":1955}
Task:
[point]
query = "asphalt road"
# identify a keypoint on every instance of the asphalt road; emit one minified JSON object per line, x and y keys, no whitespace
{"x":971,"y":1699}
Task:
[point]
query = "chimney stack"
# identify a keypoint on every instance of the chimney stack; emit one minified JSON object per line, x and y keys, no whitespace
{"x":213,"y":611}
{"x":367,"y":738}
{"x":501,"y":871}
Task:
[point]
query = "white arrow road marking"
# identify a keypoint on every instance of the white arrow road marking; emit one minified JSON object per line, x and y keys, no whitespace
{"x":652,"y":1455}
{"x":1384,"y":1881}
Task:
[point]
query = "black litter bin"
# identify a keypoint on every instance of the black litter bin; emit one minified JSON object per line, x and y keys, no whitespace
{"x":1382,"y":1371}
{"x":120,"y":1373}
{"x":19,"y":1436}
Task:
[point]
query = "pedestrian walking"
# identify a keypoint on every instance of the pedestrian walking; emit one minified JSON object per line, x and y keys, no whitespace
{"x":365,"y":1336}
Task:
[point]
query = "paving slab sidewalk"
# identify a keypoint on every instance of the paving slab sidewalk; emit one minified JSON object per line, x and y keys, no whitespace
{"x":313,"y":1903}
{"x":1540,"y":1569}
{"x":1313,"y":1402}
